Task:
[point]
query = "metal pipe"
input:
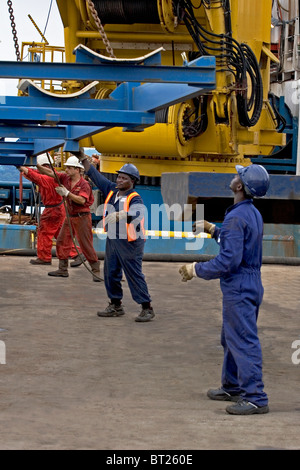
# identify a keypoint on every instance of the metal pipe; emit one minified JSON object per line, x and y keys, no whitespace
{"x":164,"y":257}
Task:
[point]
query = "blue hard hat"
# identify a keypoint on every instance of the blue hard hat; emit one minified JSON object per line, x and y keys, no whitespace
{"x":131,"y":170}
{"x":255,"y":179}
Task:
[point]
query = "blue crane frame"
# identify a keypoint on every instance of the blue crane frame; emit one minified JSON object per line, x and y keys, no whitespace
{"x":41,"y":122}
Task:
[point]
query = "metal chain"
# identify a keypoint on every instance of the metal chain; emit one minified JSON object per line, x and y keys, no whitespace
{"x":100,"y":28}
{"x":13,"y":28}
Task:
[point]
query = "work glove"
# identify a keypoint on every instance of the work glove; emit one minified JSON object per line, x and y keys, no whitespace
{"x":80,"y":154}
{"x":203,"y":225}
{"x":83,"y":158}
{"x":62,"y":191}
{"x":187,"y":272}
{"x":115,"y":217}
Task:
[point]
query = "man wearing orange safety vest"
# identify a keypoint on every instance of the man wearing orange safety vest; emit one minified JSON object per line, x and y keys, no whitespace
{"x":123,"y":220}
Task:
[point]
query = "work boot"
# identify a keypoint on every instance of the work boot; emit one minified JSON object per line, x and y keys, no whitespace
{"x":146,"y":315}
{"x":96,"y":271}
{"x":219,"y":394}
{"x":112,"y":310}
{"x":77,"y":261}
{"x":62,"y":269}
{"x":39,"y":261}
{"x":244,"y":407}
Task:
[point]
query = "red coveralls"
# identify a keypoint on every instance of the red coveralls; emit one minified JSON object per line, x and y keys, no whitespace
{"x":52,"y":217}
{"x":80,"y":219}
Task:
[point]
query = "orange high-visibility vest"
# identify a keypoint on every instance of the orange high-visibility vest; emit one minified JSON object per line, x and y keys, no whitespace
{"x":131,"y":233}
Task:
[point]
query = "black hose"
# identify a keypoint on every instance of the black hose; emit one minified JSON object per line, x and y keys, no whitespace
{"x":245,"y":104}
{"x":281,"y":121}
{"x":237,"y":58}
{"x":163,"y":257}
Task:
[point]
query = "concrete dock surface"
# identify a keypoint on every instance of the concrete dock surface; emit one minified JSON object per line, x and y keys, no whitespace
{"x":72,"y":380}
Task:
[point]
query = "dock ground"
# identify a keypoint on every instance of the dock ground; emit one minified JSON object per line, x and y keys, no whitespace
{"x":72,"y":380}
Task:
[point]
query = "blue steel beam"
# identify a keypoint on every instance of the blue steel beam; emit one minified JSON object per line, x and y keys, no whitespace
{"x":33,"y":131}
{"x":164,"y":95}
{"x":127,"y":97}
{"x":45,"y":145}
{"x":35,"y":147}
{"x":17,"y":147}
{"x":128,"y":105}
{"x":48,"y":110}
{"x":42,"y":122}
{"x":14,"y":159}
{"x":202,"y":72}
{"x":36,"y":139}
{"x":49,"y":132}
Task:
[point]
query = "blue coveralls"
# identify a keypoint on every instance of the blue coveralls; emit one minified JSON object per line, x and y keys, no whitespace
{"x":238,"y":266}
{"x":121,"y":254}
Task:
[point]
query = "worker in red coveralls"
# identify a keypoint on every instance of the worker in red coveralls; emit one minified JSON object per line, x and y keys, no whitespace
{"x":79,"y":197}
{"x":53,"y":215}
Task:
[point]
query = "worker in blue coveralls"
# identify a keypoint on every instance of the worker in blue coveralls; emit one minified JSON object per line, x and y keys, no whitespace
{"x":123,"y":220}
{"x":238,"y":265}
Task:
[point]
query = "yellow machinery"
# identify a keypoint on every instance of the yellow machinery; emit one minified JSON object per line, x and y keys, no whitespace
{"x":208,"y":134}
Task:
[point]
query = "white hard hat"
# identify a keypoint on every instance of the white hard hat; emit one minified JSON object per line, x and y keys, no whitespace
{"x":43,"y":159}
{"x":73,"y":161}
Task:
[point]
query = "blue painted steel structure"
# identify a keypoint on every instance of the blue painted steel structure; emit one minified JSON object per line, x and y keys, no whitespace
{"x":283,"y":159}
{"x":10,"y":189}
{"x":206,"y":185}
{"x":90,"y":67}
{"x":280,"y":207}
{"x":42,"y":122}
{"x":17,"y":237}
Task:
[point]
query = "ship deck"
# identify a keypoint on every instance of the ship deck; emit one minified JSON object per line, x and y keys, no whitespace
{"x":72,"y":380}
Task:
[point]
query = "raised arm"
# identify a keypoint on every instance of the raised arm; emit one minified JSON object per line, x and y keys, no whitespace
{"x":45,"y":171}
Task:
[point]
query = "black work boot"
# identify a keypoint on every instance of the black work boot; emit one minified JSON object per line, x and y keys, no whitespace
{"x":219,"y":394}
{"x":96,"y":271}
{"x":77,"y":261}
{"x":112,"y":310}
{"x":62,"y":269}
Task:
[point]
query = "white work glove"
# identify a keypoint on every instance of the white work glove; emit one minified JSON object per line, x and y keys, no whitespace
{"x":187,"y":272}
{"x":62,"y":191}
{"x":203,"y":225}
{"x":115,"y":217}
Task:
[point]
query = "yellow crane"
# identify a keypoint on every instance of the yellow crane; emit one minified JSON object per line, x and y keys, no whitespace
{"x":212,"y":133}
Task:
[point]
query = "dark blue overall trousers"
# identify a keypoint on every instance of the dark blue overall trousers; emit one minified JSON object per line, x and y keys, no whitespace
{"x":238,"y":266}
{"x":121,"y":255}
